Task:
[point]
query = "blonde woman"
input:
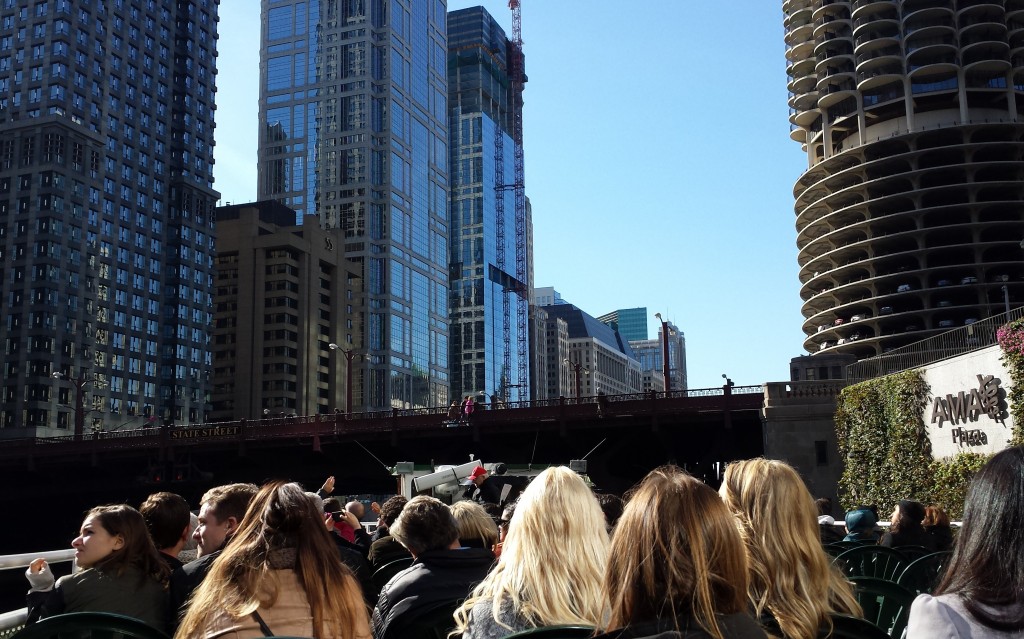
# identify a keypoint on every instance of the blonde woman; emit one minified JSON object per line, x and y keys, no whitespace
{"x":677,"y":568}
{"x":551,"y":563}
{"x":280,"y":575}
{"x":476,"y":528}
{"x":792,"y":580}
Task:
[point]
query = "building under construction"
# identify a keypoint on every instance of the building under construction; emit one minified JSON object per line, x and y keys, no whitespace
{"x":490,"y":273}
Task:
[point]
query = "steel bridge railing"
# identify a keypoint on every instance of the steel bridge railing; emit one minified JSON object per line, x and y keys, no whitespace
{"x":957,"y":341}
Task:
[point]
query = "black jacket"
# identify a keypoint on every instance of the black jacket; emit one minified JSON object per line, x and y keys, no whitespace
{"x":436,"y":576}
{"x":186,"y":579}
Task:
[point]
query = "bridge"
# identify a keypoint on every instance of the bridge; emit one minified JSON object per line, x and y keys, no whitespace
{"x":622,"y":437}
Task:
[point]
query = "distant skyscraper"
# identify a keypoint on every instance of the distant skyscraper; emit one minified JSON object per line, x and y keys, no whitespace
{"x":106,"y":212}
{"x":909,"y":214}
{"x":651,"y":353}
{"x":478,"y":104}
{"x":353,"y":129}
{"x":630,"y":322}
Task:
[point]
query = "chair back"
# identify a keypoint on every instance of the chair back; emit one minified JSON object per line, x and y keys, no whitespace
{"x":924,"y":573}
{"x":90,"y":625}
{"x":383,"y":575}
{"x":836,"y":548}
{"x":846,"y":627}
{"x":886,"y":604}
{"x":433,"y":622}
{"x":871,"y":561}
{"x":554,"y":632}
{"x":910,"y":553}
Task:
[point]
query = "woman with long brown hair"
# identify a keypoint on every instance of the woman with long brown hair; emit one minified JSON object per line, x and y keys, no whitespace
{"x":793,"y":584}
{"x":120,"y":571}
{"x":677,"y":567}
{"x":280,"y":575}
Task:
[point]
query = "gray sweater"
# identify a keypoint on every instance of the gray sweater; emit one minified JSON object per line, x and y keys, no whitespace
{"x":482,"y":625}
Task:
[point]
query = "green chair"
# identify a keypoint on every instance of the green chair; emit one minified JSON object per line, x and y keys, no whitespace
{"x":554,"y":632}
{"x":910,"y":553}
{"x":383,"y":575}
{"x":836,"y":548}
{"x":924,"y":573}
{"x":886,"y":604}
{"x":846,"y":627}
{"x":871,"y":561}
{"x":89,"y":625}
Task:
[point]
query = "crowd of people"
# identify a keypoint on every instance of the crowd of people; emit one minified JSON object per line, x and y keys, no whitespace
{"x":673,"y":559}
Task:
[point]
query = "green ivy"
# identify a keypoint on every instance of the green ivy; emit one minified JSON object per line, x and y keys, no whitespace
{"x":951,"y":478}
{"x":886,"y":452}
{"x":1011,"y":341}
{"x":883,"y":442}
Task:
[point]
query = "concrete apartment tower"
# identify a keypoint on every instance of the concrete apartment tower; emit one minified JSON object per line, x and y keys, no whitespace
{"x":353,"y":129}
{"x":909,"y":216}
{"x":106,"y":213}
{"x":480,"y":108}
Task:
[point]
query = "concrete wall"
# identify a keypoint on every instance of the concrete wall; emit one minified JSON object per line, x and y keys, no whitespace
{"x":798,"y":422}
{"x":956,"y":391}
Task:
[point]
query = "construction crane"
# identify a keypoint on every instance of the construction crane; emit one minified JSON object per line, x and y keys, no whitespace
{"x":518,"y":284}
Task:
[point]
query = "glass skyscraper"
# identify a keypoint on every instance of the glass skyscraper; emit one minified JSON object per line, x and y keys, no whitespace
{"x":106,"y":201}
{"x":353,"y":129}
{"x":630,"y":322}
{"x":482,"y":362}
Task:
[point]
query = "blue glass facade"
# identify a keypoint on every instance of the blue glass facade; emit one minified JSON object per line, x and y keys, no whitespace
{"x":353,"y":130}
{"x":482,"y":363}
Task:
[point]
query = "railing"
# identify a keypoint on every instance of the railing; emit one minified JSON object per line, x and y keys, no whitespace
{"x":955,"y":342}
{"x":14,"y":620}
{"x":381,"y":421}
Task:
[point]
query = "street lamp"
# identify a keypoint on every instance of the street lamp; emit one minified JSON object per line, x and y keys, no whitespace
{"x":349,"y":354}
{"x":577,"y":367}
{"x":79,"y":383}
{"x":664,"y":354}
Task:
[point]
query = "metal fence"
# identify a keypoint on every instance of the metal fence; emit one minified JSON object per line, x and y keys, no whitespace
{"x":958,"y":341}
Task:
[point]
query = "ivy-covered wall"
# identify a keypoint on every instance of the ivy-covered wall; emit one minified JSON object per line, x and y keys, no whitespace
{"x":1011,"y":341}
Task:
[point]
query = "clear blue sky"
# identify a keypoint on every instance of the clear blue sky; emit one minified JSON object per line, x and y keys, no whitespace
{"x":658,"y":165}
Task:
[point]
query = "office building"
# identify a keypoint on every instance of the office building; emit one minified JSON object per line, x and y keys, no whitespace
{"x":909,"y":214}
{"x":651,"y":354}
{"x":631,"y":323}
{"x":353,"y":129}
{"x":550,"y":376}
{"x":547,"y":296}
{"x":599,"y":360}
{"x":106,"y":213}
{"x":283,"y":295}
{"x":484,"y":303}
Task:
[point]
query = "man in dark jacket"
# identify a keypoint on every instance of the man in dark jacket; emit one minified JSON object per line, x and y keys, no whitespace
{"x":221,"y":510}
{"x":442,"y":573}
{"x":386,"y":548}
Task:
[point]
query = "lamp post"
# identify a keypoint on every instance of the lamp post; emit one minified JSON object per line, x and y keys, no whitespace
{"x":576,"y":367}
{"x":349,"y":354}
{"x":79,"y":383}
{"x":664,"y":354}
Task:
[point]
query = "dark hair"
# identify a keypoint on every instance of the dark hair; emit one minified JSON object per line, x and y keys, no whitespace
{"x":824,"y":505}
{"x":390,"y":509}
{"x":425,"y":524}
{"x":611,"y":506}
{"x":138,"y":550}
{"x":987,"y":568}
{"x":676,"y":552}
{"x":167,"y":517}
{"x":333,"y":504}
{"x":910,"y":517}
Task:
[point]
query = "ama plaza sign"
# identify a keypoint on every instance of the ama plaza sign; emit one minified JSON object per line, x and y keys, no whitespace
{"x":966,"y":409}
